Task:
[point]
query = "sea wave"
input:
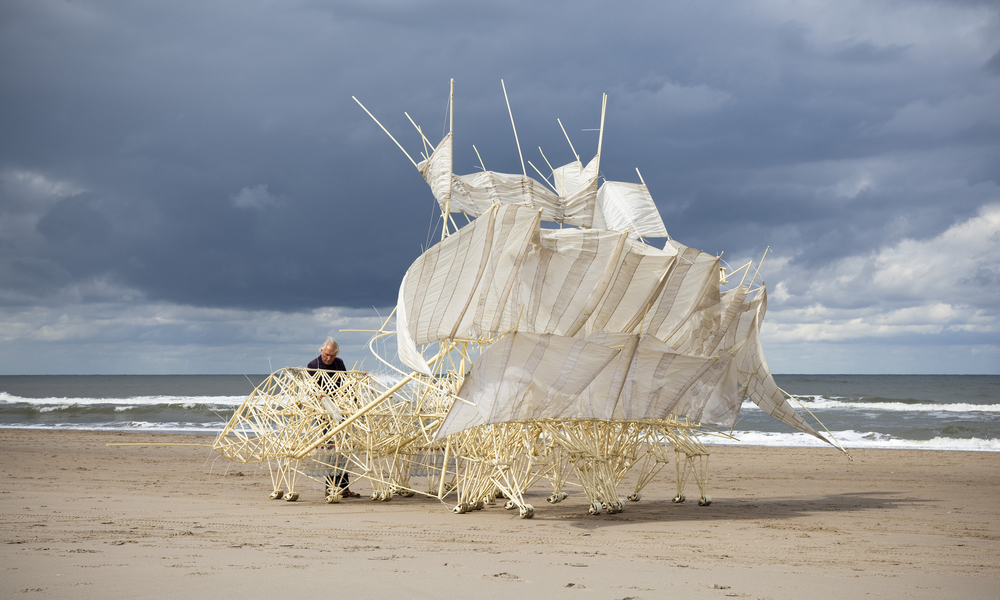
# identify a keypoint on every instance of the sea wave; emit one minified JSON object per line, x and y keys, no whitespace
{"x":213,"y":428}
{"x":854,"y":439}
{"x":232,"y":401}
{"x":74,"y":408}
{"x":825,"y":403}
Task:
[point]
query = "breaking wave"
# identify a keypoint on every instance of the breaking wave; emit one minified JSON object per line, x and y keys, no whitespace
{"x":857,"y":440}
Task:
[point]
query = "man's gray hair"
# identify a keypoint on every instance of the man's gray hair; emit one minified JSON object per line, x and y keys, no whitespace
{"x":332,"y":343}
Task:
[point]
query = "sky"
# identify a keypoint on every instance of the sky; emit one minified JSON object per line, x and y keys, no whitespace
{"x":188,"y":186}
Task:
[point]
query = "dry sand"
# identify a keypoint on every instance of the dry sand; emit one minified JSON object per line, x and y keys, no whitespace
{"x":84,"y":520}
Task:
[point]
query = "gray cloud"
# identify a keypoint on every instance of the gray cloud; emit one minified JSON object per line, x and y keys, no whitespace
{"x":257,"y":197}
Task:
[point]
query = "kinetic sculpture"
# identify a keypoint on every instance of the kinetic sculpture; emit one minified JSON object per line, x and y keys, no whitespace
{"x":570,"y":355}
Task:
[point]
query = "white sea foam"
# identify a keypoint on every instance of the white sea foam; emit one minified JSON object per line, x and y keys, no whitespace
{"x":854,"y":439}
{"x":183,"y":401}
{"x":823,"y":403}
{"x":174,"y":427}
{"x":386,"y":378}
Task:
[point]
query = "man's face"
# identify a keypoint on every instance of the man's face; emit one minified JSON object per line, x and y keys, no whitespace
{"x":327,"y":355}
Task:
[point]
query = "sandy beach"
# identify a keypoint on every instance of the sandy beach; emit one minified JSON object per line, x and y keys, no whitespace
{"x":85,"y":520}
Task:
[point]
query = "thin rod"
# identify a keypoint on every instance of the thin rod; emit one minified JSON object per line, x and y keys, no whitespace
{"x":568,"y":140}
{"x":427,"y":142}
{"x":479,"y":157}
{"x":759,"y":265}
{"x":385,"y":130}
{"x":543,"y":177}
{"x":740,"y":269}
{"x":444,"y":467}
{"x":744,"y":275}
{"x":600,"y":139}
{"x":446,"y":213}
{"x":523,"y":170}
{"x":546,"y":159}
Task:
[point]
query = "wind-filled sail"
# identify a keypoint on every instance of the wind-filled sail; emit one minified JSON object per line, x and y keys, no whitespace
{"x":596,"y":324}
{"x":527,"y":376}
{"x":756,"y":377}
{"x":475,"y":193}
{"x":503,"y":272}
{"x":636,"y":377}
{"x":462,"y":281}
{"x":628,"y":206}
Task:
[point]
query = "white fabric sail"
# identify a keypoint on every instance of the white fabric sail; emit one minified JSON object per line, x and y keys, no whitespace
{"x":602,"y":325}
{"x":563,"y":279}
{"x":647,"y":379}
{"x":628,"y":206}
{"x":578,"y":282}
{"x":526,"y":376}
{"x":475,"y":193}
{"x":756,"y":377}
{"x":462,"y":281}
{"x":567,"y":282}
{"x":639,"y":376}
{"x":609,"y":376}
{"x":567,"y":178}
{"x":640,"y":274}
{"x":693,"y":278}
{"x":437,"y":171}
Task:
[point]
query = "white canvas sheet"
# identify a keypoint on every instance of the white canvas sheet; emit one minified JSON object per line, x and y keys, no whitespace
{"x":628,"y":206}
{"x":461,"y":281}
{"x":475,"y":193}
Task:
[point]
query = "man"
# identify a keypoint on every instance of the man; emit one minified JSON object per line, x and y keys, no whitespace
{"x":329,"y":361}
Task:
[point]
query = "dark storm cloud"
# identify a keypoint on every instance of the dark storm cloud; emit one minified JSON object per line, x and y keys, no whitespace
{"x":209,"y":154}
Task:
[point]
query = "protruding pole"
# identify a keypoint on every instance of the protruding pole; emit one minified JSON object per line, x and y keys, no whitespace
{"x":481,"y":164}
{"x":544,"y":178}
{"x":385,"y":130}
{"x":600,"y":139}
{"x":567,"y":139}
{"x":759,"y":265}
{"x":451,"y":161}
{"x":444,"y":468}
{"x":523,"y":170}
{"x":545,"y":158}
{"x":427,"y":142}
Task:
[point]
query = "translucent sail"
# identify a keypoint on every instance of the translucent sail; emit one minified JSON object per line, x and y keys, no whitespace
{"x":526,"y":376}
{"x":462,"y":281}
{"x":542,"y":376}
{"x":475,"y":193}
{"x":601,"y":325}
{"x":568,"y":178}
{"x":628,"y":206}
{"x":692,"y":285}
{"x":504,"y":272}
{"x":756,"y":377}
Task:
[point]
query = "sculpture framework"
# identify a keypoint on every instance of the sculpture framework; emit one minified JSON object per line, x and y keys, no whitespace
{"x":567,"y":357}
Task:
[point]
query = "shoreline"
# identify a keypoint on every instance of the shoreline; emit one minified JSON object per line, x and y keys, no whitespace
{"x":98,"y":521}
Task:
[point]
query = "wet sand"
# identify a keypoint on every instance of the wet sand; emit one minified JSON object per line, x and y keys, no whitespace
{"x":85,"y":520}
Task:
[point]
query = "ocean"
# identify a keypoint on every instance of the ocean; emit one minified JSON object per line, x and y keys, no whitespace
{"x":934,"y":412}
